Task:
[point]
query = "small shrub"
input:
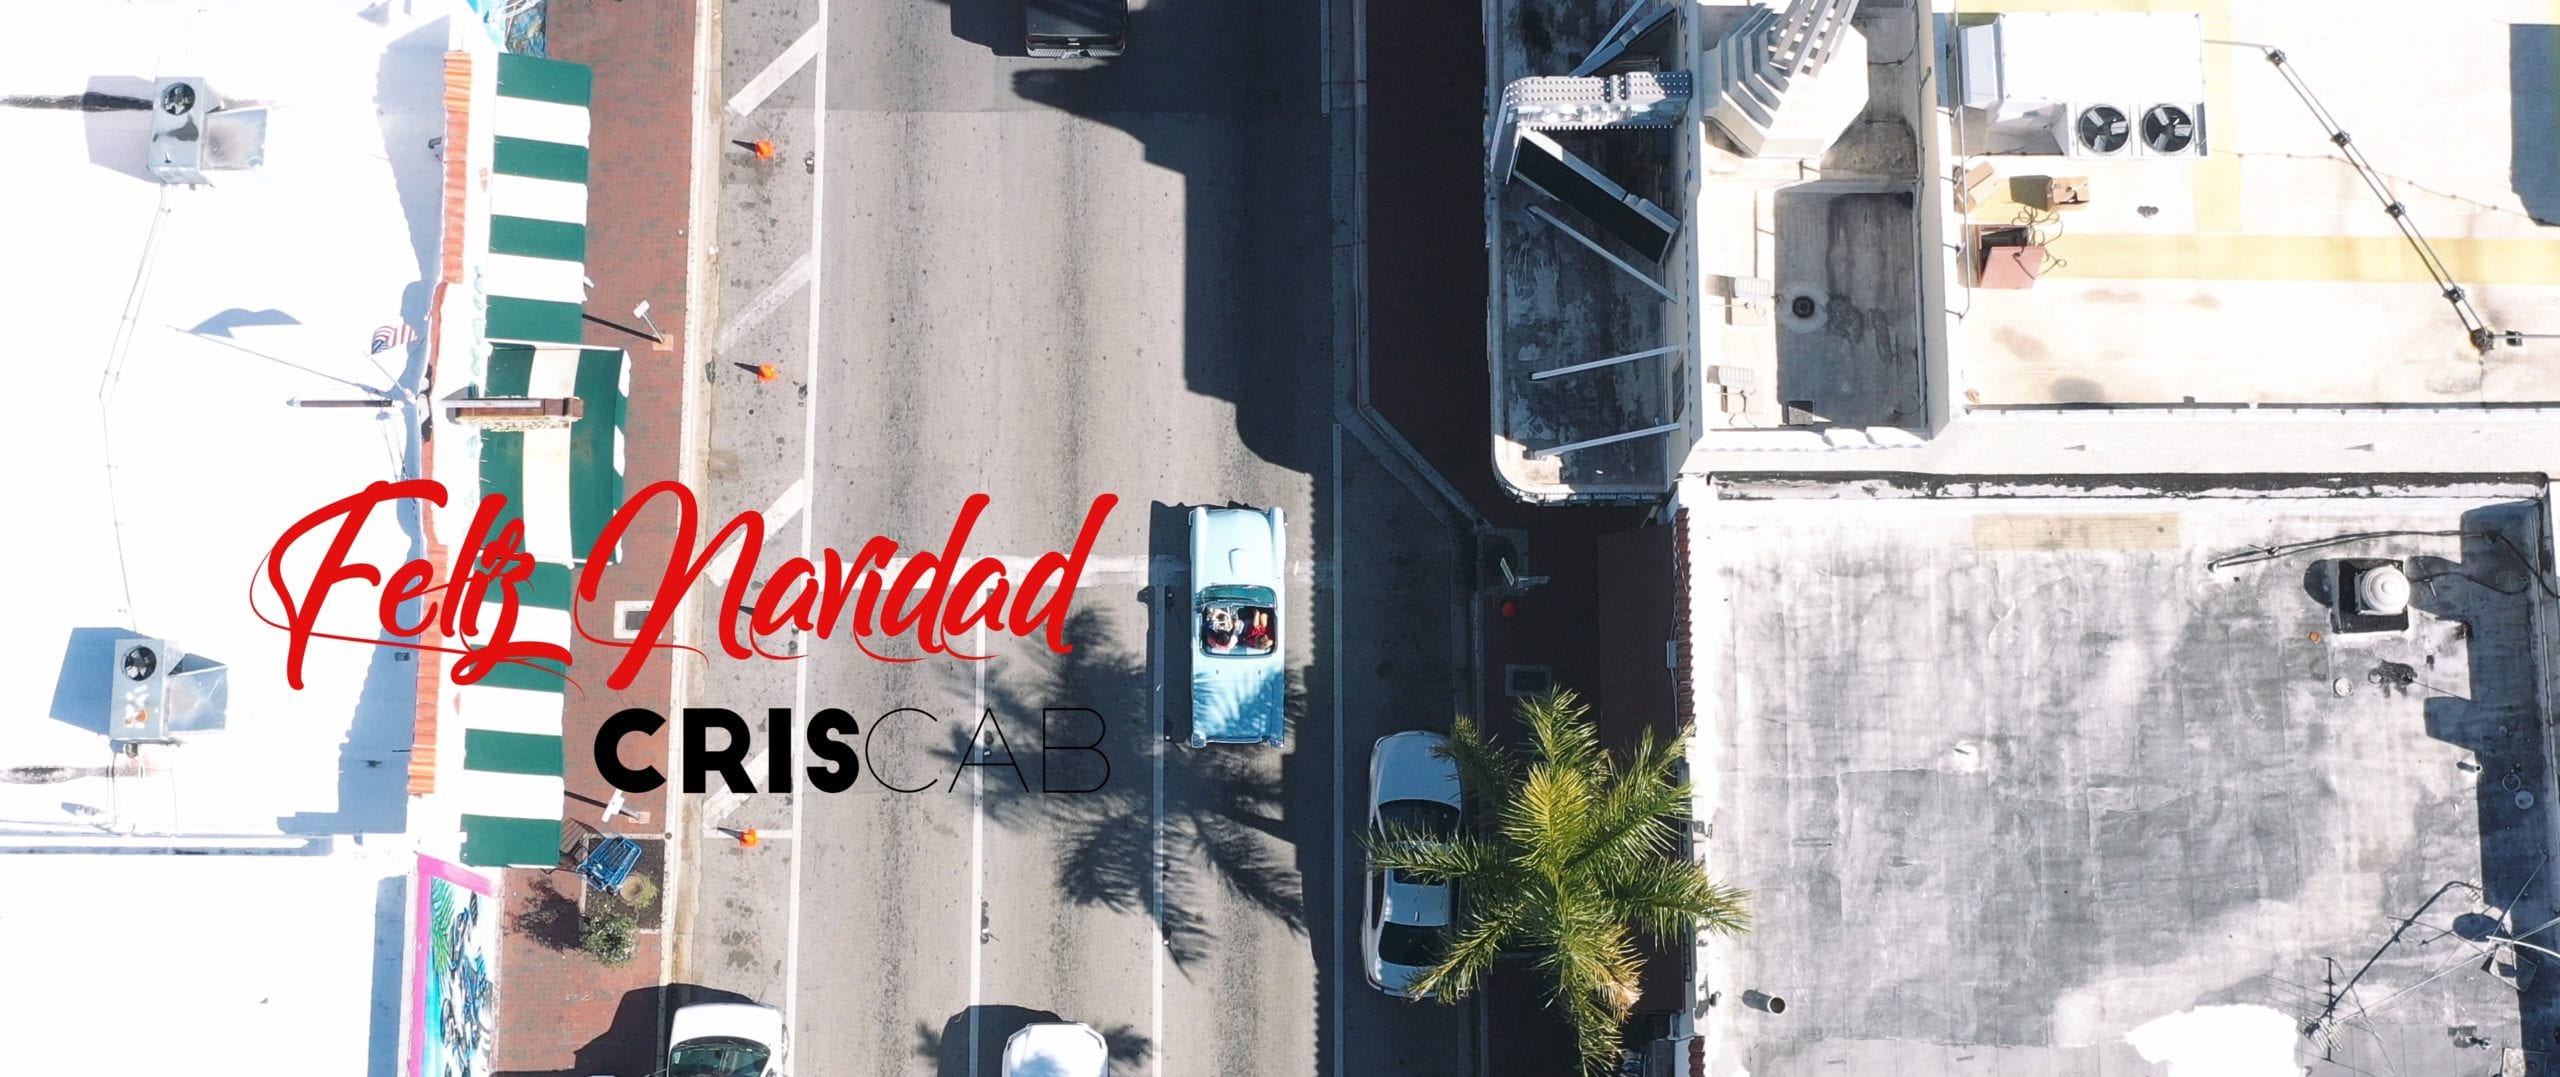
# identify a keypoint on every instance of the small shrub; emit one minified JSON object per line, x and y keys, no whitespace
{"x":639,"y":890}
{"x":610,"y":935}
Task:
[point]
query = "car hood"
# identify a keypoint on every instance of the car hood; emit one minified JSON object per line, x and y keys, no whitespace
{"x":746,"y":1021}
{"x":1056,"y":1050}
{"x":1233,"y":546}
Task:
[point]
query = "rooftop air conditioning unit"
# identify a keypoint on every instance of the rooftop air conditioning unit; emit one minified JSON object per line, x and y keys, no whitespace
{"x":139,"y":707}
{"x":178,"y":109}
{"x":2171,"y":129}
{"x":2098,"y":129}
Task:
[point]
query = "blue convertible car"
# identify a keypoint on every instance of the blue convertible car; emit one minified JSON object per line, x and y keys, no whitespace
{"x":1238,"y":685}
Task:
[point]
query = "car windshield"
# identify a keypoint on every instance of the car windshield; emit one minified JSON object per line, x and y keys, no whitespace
{"x":718,"y":1056}
{"x":1419,"y":816}
{"x":1412,"y":947}
{"x":1239,"y":626}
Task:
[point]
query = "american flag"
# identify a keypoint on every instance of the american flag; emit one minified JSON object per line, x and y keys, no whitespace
{"x":392,"y":336}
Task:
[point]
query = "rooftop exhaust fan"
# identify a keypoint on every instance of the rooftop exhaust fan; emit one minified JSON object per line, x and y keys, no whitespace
{"x":2172,"y":130}
{"x":2370,"y":594}
{"x":2101,"y":130}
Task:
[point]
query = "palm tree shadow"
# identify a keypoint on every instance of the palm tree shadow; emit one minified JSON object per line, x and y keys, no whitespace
{"x":1222,"y":825}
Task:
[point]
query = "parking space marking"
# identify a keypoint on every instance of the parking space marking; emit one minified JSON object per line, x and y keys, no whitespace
{"x":802,"y":274}
{"x":783,"y":67}
{"x":784,"y":509}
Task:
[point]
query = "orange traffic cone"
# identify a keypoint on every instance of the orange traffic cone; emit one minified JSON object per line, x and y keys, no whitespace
{"x":767,"y":372}
{"x":749,"y":839}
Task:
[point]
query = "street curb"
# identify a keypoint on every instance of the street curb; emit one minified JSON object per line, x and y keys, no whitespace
{"x":701,"y":301}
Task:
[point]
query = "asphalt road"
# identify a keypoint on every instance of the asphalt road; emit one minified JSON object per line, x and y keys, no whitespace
{"x":1046,"y":281}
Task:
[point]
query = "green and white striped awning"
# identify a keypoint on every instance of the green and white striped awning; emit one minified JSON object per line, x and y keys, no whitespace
{"x":507,"y":780}
{"x":536,"y":270}
{"x":564,"y":483}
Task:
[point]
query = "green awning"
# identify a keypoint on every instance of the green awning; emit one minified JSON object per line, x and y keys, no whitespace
{"x":564,"y":483}
{"x":535,"y":273}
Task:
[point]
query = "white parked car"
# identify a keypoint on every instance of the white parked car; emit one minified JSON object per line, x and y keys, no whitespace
{"x":725,"y":1039}
{"x":1405,"y":929}
{"x":1057,"y":1050}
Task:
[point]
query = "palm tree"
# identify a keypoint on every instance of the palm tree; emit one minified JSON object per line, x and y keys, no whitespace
{"x":1569,"y":854}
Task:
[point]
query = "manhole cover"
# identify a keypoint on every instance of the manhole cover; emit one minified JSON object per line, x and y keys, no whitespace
{"x":1803,"y":307}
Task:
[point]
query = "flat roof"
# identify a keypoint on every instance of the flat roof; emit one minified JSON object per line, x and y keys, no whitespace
{"x":2268,"y":270}
{"x":2034,"y":785}
{"x":165,"y":329}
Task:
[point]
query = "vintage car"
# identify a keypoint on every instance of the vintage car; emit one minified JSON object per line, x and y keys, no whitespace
{"x":1239,"y":685}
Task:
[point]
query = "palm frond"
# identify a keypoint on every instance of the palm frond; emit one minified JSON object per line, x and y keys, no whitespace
{"x":1486,"y":772}
{"x":1549,"y":818}
{"x":1559,"y":731}
{"x":1428,"y":857}
{"x":1667,"y":896}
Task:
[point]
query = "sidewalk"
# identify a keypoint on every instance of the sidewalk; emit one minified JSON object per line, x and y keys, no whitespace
{"x":560,"y":1011}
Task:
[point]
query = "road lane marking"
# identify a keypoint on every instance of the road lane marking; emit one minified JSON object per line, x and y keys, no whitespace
{"x":1341,"y":983}
{"x":784,"y":509}
{"x":727,"y":800}
{"x":1155,"y":822}
{"x":802,"y":274}
{"x":977,"y":845}
{"x":783,"y":67}
{"x":797,"y":497}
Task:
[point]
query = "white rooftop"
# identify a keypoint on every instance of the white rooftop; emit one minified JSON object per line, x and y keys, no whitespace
{"x":161,"y":332}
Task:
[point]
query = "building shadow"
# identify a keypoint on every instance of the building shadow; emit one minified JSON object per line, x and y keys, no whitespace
{"x":627,"y":1048}
{"x":373,"y":771}
{"x":390,"y":938}
{"x":2533,"y":93}
{"x":2493,"y":593}
{"x":949,"y":1046}
{"x":995,"y":24}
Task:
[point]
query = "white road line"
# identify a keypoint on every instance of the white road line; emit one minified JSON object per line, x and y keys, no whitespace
{"x":977,"y":848}
{"x":727,"y":800}
{"x":802,"y":274}
{"x":785,"y":509}
{"x":1155,"y":822}
{"x":797,"y":497}
{"x":783,"y":67}
{"x":1341,"y":981}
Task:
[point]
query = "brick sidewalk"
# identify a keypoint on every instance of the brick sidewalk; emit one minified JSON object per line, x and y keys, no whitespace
{"x":560,"y":1012}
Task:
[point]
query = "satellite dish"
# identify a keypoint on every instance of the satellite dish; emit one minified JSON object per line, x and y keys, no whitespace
{"x":2168,"y":129}
{"x":2102,"y":128}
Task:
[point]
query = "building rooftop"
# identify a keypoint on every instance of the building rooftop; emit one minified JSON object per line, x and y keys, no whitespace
{"x":1874,"y":295}
{"x":168,"y":327}
{"x":2040,"y":785}
{"x":2268,"y":270}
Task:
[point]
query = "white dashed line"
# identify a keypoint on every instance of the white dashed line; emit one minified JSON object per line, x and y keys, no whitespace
{"x":783,"y":67}
{"x":801,"y":275}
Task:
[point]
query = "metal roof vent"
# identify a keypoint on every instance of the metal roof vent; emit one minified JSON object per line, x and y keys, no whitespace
{"x":2369,"y":594}
{"x":2382,"y":592}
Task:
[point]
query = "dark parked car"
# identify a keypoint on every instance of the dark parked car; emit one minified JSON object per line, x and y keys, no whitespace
{"x":1070,"y":28}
